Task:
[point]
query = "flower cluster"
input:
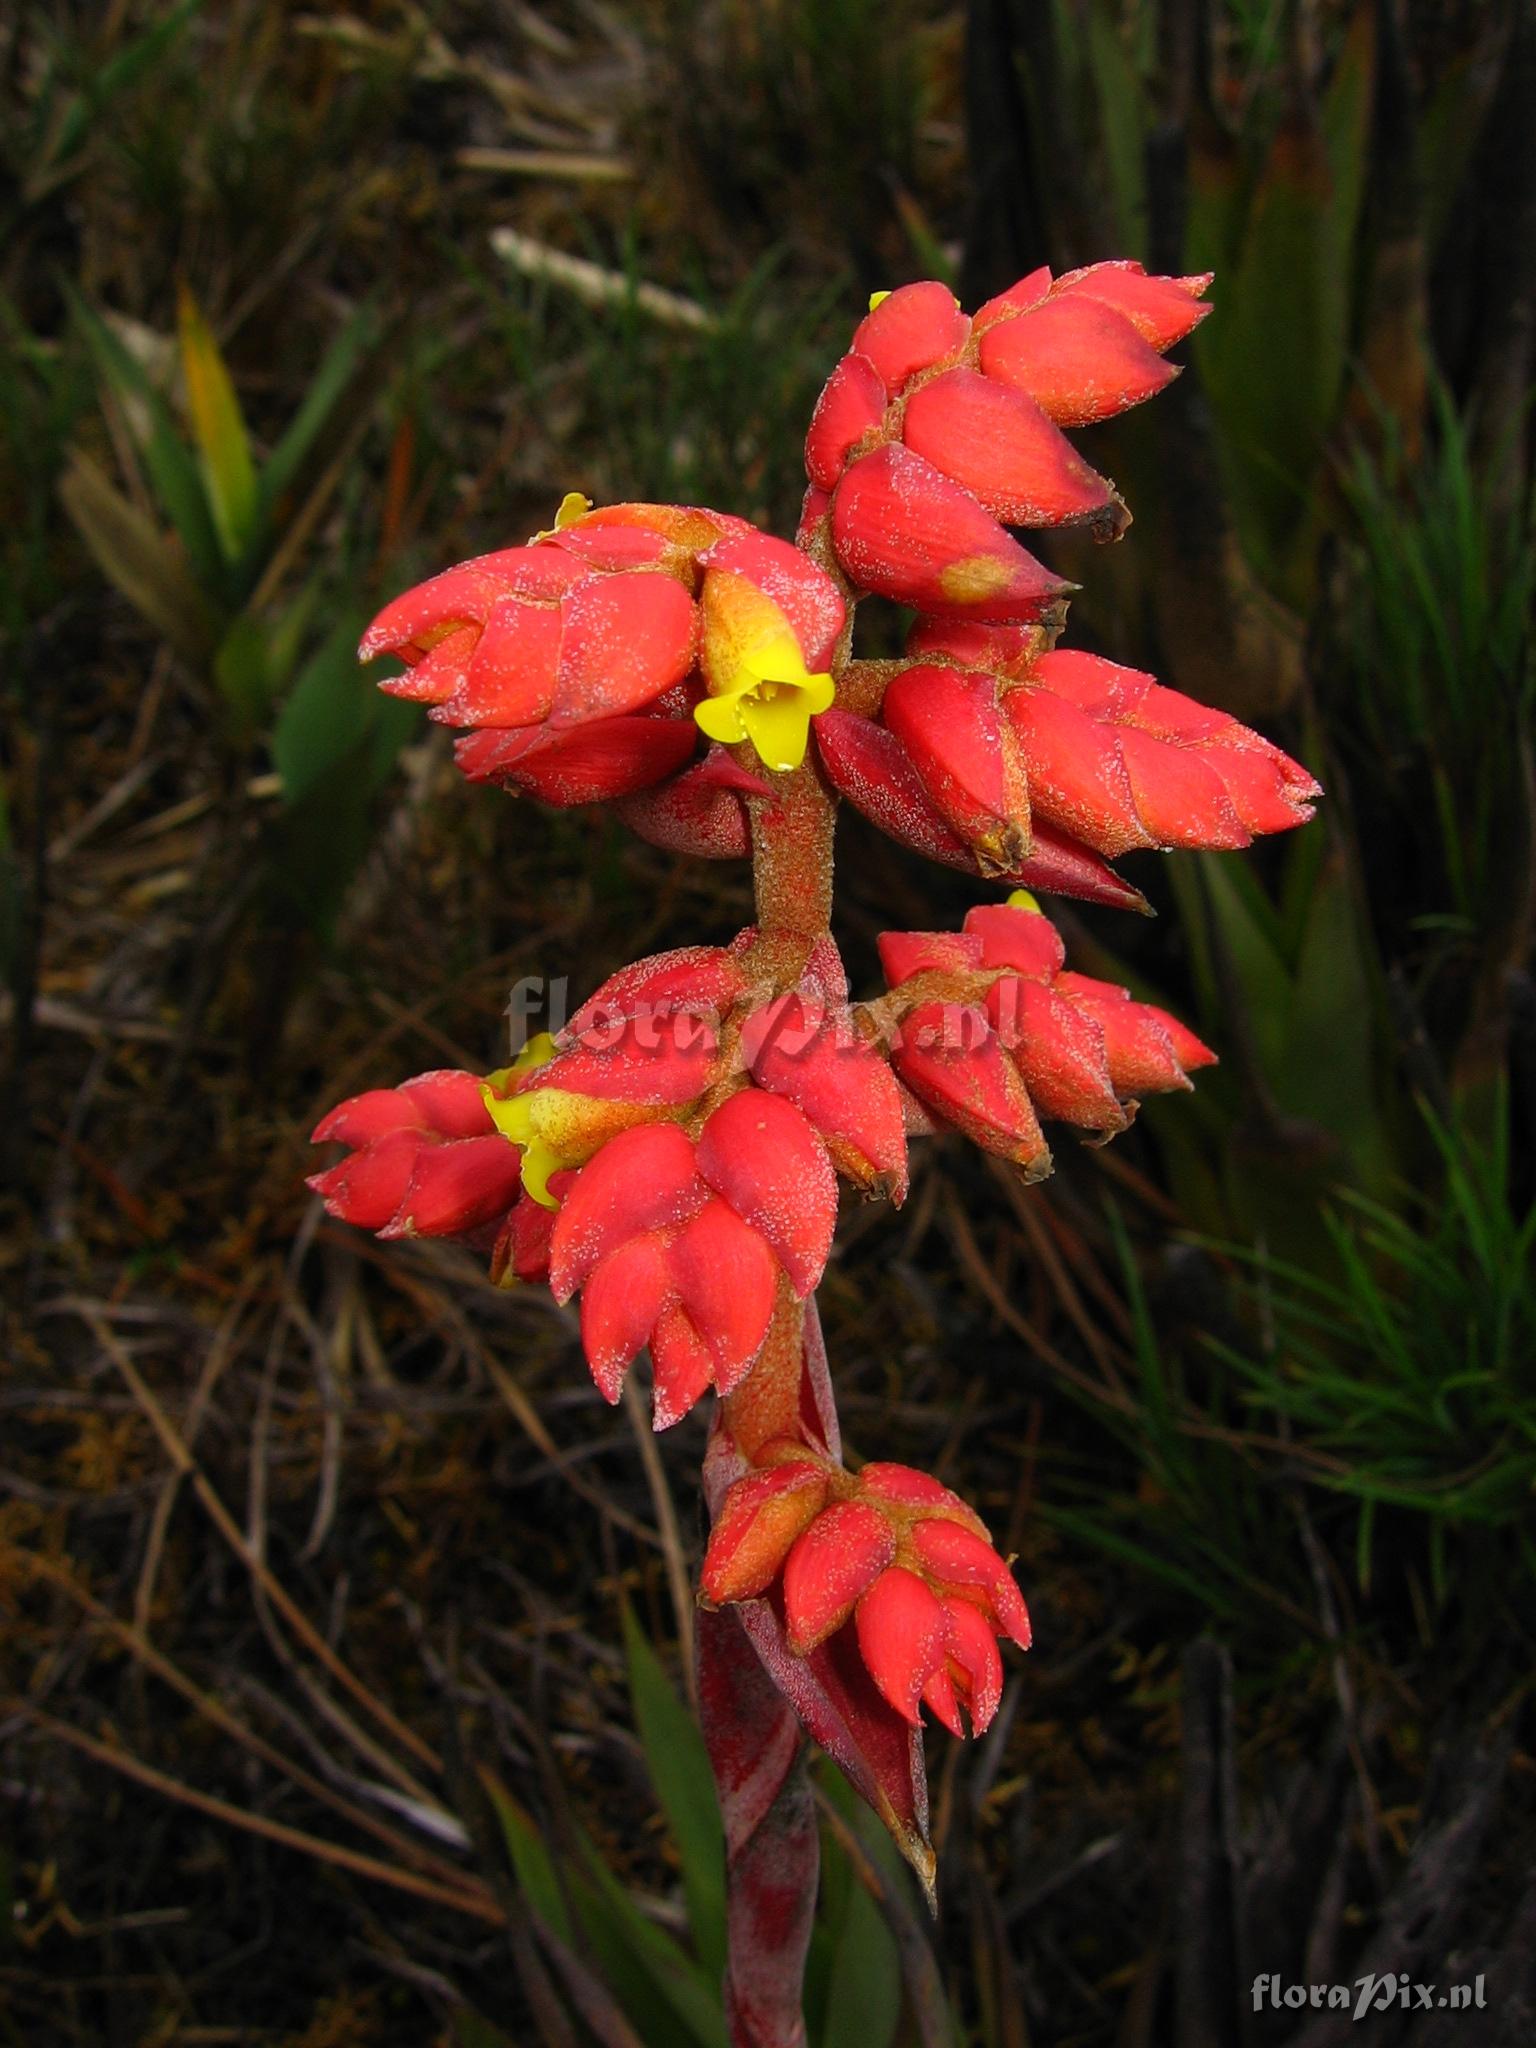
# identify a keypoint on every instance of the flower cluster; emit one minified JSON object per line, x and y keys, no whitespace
{"x":889,"y":1554}
{"x":997,"y":741}
{"x":994,"y":1034}
{"x":673,"y":1156}
{"x":587,"y":663}
{"x":937,"y":430}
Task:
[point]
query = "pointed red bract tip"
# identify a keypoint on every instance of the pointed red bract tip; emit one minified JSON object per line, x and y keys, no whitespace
{"x":975,"y":1665}
{"x":852,"y":404}
{"x":903,"y":1486}
{"x":756,"y":1528}
{"x":952,"y":1060}
{"x":588,"y":764}
{"x":812,"y":1055}
{"x":904,"y":531}
{"x":1000,"y":446}
{"x":1161,"y":309}
{"x":1014,"y":937}
{"x":426,"y":1160}
{"x":624,"y":641}
{"x":960,"y":1562}
{"x":1014,"y":1037}
{"x":641,"y":1180}
{"x":1079,"y":360}
{"x":953,"y":729}
{"x":1018,"y":298}
{"x":903,"y":1636}
{"x":702,"y":811}
{"x":726,"y":1279}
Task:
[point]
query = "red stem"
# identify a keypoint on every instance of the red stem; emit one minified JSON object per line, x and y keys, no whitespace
{"x":771,"y":1847}
{"x":754,"y":1737}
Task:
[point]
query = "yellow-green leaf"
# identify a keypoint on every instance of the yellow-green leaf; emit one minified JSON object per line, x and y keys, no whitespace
{"x":223,"y":445}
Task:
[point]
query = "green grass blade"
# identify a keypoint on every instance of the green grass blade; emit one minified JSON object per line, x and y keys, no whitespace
{"x":532,"y":1864}
{"x":330,"y":384}
{"x":666,"y":1995}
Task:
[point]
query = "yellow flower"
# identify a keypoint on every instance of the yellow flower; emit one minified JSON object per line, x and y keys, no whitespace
{"x":760,"y":689}
{"x":555,"y":1128}
{"x":513,"y":1116}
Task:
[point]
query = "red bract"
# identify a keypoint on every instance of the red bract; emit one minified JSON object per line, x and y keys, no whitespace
{"x":869,"y":766}
{"x":936,"y":428}
{"x":426,"y":1160}
{"x":902,"y":529}
{"x":701,"y":812}
{"x":1006,"y":451}
{"x":811,"y":1052}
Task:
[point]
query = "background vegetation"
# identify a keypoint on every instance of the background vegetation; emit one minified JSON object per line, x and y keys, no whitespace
{"x":343,"y":1632}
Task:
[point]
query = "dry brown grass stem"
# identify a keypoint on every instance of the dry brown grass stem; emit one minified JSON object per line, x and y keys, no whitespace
{"x":176,"y":1449}
{"x":468,"y":1898}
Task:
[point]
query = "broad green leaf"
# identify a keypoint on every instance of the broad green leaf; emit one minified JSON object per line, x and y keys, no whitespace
{"x":1274,"y":360}
{"x":171,"y":466}
{"x":1327,"y":1071}
{"x":1212,"y":902}
{"x":685,"y":1784}
{"x":334,"y":747}
{"x":140,"y":560}
{"x":320,"y":839}
{"x":243,"y":671}
{"x":223,"y":444}
{"x":326,"y":717}
{"x":1346,"y":126}
{"x":1216,"y":198}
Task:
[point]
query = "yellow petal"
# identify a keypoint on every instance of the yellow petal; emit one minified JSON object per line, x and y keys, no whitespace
{"x":877,"y":299}
{"x":512,"y":1115}
{"x":539,"y":1162}
{"x":778,"y":727}
{"x":573,"y":506}
{"x":719,"y":718}
{"x":1021,"y":899}
{"x":538,"y":1052}
{"x":819,"y":692}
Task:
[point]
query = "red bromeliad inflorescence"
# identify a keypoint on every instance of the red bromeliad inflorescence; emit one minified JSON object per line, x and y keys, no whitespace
{"x":671,"y":1158}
